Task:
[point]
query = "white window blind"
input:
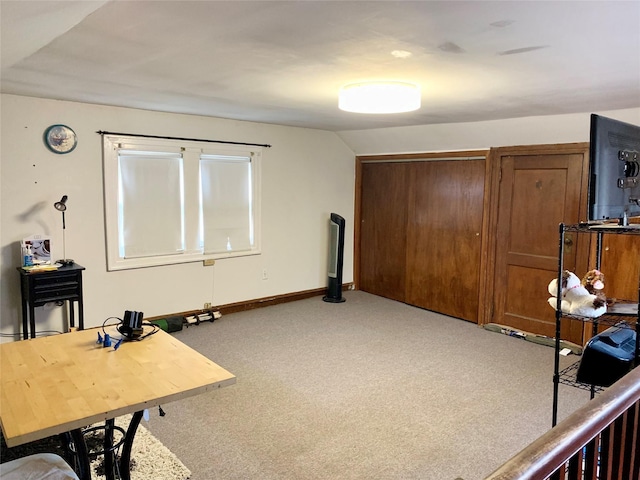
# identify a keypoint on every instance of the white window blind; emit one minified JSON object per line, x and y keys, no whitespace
{"x":227,"y":216}
{"x":150,"y":213}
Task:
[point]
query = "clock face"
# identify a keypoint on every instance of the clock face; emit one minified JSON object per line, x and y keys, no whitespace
{"x":60,"y":139}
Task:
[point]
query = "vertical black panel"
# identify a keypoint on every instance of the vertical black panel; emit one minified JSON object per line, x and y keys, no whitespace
{"x":336,"y":259}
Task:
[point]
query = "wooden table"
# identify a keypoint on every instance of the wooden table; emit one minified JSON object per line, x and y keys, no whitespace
{"x":62,"y":383}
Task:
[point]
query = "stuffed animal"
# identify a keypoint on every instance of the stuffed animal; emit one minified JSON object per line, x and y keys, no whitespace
{"x":593,"y":281}
{"x":576,"y":299}
{"x":553,"y":291}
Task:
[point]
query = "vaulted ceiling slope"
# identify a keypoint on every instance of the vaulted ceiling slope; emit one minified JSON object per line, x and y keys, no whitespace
{"x":283,"y":62}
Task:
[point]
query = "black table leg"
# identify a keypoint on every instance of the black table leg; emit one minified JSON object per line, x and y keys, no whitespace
{"x":76,"y":453}
{"x":72,"y":322}
{"x":109,"y":452}
{"x":125,"y":457}
{"x":25,"y":321}
{"x":32,"y":319}
{"x":80,"y":314}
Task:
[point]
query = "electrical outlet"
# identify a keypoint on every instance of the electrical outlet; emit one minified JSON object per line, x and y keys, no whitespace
{"x":207,"y":305}
{"x":265,"y":276}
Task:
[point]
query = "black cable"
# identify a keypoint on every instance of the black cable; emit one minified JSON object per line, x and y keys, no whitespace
{"x":154,"y":330}
{"x":113,"y":324}
{"x":49,"y":332}
{"x":14,"y":335}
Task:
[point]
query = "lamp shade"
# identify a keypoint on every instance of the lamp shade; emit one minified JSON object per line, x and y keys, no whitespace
{"x":61,"y":206}
{"x":379,"y":97}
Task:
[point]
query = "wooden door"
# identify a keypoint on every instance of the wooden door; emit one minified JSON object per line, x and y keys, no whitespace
{"x":537,"y":191}
{"x":383,"y":226}
{"x":444,"y":238}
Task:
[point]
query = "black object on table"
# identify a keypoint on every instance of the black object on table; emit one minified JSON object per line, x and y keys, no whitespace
{"x":39,"y":288}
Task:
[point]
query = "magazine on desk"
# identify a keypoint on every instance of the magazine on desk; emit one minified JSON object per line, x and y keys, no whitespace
{"x":39,"y":247}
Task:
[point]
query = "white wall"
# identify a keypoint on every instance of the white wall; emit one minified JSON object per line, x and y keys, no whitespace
{"x":306,"y":175}
{"x":468,"y":136}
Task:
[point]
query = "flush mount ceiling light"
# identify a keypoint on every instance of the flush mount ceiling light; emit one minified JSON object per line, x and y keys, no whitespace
{"x":379,"y":97}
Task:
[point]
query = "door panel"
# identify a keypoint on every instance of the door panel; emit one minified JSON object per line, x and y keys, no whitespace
{"x":383,"y":229}
{"x":444,"y":236}
{"x":528,"y":311}
{"x":536,"y":194}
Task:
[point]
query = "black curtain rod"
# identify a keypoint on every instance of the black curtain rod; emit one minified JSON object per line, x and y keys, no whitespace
{"x":185,"y":139}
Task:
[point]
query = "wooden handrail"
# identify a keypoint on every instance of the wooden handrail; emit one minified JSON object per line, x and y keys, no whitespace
{"x":555,"y":448}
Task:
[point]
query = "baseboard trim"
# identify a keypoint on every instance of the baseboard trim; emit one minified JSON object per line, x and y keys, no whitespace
{"x":269,"y":301}
{"x":256,"y":303}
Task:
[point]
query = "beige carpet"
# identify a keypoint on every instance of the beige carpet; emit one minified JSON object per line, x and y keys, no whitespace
{"x":366,"y":389}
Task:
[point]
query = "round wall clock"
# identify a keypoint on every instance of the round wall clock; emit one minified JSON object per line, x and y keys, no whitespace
{"x":60,"y":139}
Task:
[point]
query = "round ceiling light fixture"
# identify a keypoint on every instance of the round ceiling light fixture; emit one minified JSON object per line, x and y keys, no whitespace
{"x":379,"y":97}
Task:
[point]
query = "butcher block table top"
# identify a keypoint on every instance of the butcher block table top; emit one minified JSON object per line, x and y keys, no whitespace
{"x":55,"y":384}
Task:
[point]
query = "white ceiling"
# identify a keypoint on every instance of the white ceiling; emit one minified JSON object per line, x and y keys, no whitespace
{"x":283,"y":62}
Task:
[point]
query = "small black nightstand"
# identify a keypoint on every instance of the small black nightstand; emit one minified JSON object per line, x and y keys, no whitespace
{"x":38,"y":288}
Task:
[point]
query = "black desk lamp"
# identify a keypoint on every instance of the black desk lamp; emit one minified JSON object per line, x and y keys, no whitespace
{"x":61,"y":206}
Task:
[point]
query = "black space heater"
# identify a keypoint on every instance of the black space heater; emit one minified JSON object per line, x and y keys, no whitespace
{"x":336,"y":257}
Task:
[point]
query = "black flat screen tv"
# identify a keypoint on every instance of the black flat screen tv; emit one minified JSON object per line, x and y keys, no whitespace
{"x":614,"y":170}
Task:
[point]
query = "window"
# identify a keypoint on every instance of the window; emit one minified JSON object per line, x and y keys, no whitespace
{"x":169,"y":201}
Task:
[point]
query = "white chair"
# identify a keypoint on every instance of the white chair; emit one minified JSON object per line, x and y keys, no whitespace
{"x":41,"y":466}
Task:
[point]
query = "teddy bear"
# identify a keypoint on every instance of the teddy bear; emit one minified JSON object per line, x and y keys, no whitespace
{"x":576,"y":299}
{"x":593,"y":281}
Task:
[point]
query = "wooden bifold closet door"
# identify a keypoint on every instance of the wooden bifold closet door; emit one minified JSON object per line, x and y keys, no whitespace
{"x":444,"y":236}
{"x":421,"y":235}
{"x":383,"y":229}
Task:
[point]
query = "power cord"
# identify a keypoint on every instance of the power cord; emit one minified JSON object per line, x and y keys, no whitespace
{"x":39,"y":333}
